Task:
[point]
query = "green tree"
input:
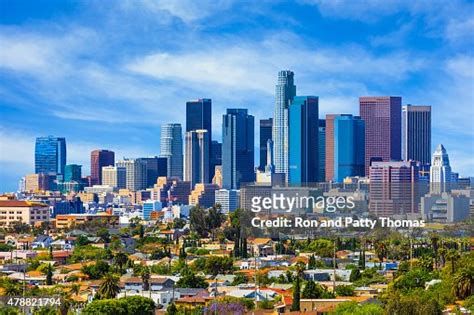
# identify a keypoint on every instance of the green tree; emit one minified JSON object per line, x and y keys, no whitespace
{"x":312,"y":262}
{"x":355,"y":275}
{"x":121,"y":260}
{"x":49,"y":274}
{"x":109,"y":287}
{"x":138,"y":305}
{"x":311,"y":290}
{"x":463,"y":283}
{"x":105,"y":307}
{"x":452,"y":255}
{"x":295,"y":306}
{"x":145,"y":275}
{"x":190,"y":280}
{"x":416,"y":303}
{"x":344,"y":290}
{"x":172,"y":309}
{"x":353,"y":308}
{"x":197,"y":220}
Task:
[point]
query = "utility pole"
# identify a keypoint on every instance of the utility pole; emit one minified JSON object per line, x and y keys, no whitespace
{"x":334,"y":268}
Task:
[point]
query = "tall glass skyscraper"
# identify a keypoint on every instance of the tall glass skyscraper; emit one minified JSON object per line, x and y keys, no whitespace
{"x":171,"y":147}
{"x":237,"y":148}
{"x":303,"y":140}
{"x":349,"y":147}
{"x":196,"y":160}
{"x":285,"y":92}
{"x":216,"y":157}
{"x":266,"y":126}
{"x":199,"y":117}
{"x":383,"y":119}
{"x":416,"y":133}
{"x":50,"y":155}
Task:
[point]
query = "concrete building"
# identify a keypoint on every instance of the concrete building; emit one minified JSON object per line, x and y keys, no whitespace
{"x":135,"y":173}
{"x":114,"y":176}
{"x":440,"y":171}
{"x":39,"y":182}
{"x":149,"y":206}
{"x":203,"y":195}
{"x":32,"y":213}
{"x":393,"y":188}
{"x":445,"y":207}
{"x":99,"y":159}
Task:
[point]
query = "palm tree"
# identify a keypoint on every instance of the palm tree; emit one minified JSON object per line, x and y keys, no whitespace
{"x":434,"y":243}
{"x":146,"y":279}
{"x":453,"y":255}
{"x":109,"y":287}
{"x":463,"y":283}
{"x":75,"y":289}
{"x":121,"y":259}
{"x":12,"y":289}
{"x":381,"y":252}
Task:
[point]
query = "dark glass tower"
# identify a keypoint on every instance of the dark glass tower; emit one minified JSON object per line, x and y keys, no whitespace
{"x":199,"y":117}
{"x":266,"y":126}
{"x":50,"y":155}
{"x":303,"y":140}
{"x":237,"y":148}
{"x":416,"y":133}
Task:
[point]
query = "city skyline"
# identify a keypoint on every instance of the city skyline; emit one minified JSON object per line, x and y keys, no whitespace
{"x":118,"y":101}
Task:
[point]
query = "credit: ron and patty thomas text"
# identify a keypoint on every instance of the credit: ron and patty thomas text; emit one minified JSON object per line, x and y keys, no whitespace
{"x":341,"y":222}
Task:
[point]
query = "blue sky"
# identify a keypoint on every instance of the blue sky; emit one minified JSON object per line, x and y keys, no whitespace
{"x":106,"y":74}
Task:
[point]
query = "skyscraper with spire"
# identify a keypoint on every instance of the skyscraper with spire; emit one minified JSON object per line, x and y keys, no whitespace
{"x":285,"y":92}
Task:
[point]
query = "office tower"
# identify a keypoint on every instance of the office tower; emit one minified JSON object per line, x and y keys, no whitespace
{"x":155,"y":167}
{"x":440,"y":172}
{"x":135,"y":173}
{"x":416,"y":133}
{"x":229,"y":200}
{"x":50,"y":155}
{"x":217,"y":179}
{"x":216,"y":157}
{"x":199,"y":117}
{"x":393,"y":188}
{"x":114,"y":176}
{"x":72,"y":172}
{"x":303,"y":140}
{"x":237,"y":148}
{"x":99,"y":159}
{"x":322,"y":150}
{"x":171,"y":147}
{"x":345,"y":147}
{"x":203,"y":195}
{"x":285,"y":92}
{"x":196,"y":160}
{"x":266,"y":126}
{"x":382,"y":116}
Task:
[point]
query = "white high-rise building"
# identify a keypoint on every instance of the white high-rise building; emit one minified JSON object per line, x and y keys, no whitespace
{"x":135,"y":173}
{"x":285,"y":92}
{"x":440,"y":172}
{"x":114,"y":176}
{"x":229,"y":200}
{"x":171,"y":147}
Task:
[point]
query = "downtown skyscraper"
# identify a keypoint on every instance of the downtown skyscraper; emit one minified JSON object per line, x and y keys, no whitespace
{"x":196,"y":160}
{"x":416,"y":133}
{"x":440,"y":171}
{"x":303,"y":140}
{"x":346,"y":155}
{"x":99,"y":159}
{"x":199,"y":117}
{"x":382,"y":116}
{"x":285,"y":91}
{"x":171,"y":147}
{"x":50,"y":155}
{"x":135,"y":170}
{"x":237,"y":148}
